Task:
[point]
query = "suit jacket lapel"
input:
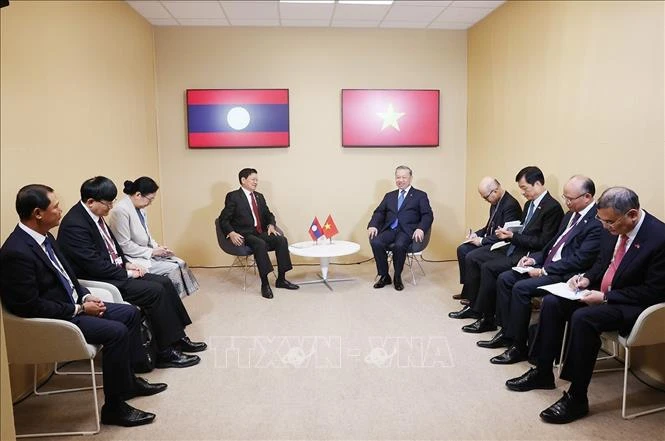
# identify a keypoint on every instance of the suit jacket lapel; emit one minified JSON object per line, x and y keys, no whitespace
{"x":39,"y":251}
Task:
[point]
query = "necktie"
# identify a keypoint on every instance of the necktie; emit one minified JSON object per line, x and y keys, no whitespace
{"x":255,"y":210}
{"x":561,"y":241}
{"x":110,"y":247}
{"x":529,"y":214}
{"x":145,"y":227}
{"x":614,"y":265}
{"x":60,"y":270}
{"x":400,"y":201}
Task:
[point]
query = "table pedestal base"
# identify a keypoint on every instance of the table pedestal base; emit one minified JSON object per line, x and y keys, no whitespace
{"x":325,"y":262}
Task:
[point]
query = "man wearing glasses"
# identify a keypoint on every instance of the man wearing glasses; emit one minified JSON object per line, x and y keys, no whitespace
{"x":570,"y":252}
{"x":541,"y":218}
{"x":627,"y":277}
{"x":503,"y":208}
{"x":94,"y":254}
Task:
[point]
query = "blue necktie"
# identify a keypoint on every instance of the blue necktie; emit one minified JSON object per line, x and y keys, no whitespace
{"x":400,"y":201}
{"x":529,"y":215}
{"x":59,"y":270}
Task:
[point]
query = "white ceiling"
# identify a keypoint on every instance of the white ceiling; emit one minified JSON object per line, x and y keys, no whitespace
{"x":400,"y":14}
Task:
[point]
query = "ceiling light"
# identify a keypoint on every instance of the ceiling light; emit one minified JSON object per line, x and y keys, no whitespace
{"x":365,"y":2}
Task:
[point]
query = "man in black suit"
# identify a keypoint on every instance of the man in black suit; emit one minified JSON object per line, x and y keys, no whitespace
{"x":402,"y":217}
{"x":541,"y":219}
{"x":95,"y":254}
{"x":247,"y":220}
{"x":571,"y":251}
{"x":627,"y":277}
{"x":37,"y":281}
{"x":503,"y":208}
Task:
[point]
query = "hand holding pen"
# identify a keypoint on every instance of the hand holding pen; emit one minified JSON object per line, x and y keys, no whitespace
{"x":578,"y":283}
{"x":526,"y":260}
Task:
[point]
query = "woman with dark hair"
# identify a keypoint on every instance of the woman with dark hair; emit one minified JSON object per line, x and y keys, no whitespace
{"x":129,"y":224}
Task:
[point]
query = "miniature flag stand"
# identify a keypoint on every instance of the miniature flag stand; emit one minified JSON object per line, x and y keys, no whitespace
{"x":329,"y":229}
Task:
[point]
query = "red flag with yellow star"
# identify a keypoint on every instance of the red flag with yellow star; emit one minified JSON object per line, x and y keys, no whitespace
{"x":329,"y":227}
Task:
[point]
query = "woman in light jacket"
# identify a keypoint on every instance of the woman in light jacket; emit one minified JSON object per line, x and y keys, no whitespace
{"x":129,"y":224}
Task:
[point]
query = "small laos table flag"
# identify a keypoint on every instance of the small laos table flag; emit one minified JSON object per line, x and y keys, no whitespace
{"x":329,"y":228}
{"x":315,"y":230}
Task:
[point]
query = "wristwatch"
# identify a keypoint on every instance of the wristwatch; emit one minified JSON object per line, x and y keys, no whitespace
{"x":604,"y":298}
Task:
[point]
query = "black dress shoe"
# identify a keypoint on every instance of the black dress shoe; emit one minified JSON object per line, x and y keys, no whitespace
{"x":457,"y":296}
{"x":186,"y":345}
{"x":465,"y":301}
{"x":383,"y":281}
{"x":498,"y":341}
{"x":511,"y":355}
{"x":481,"y":325}
{"x":532,"y":379}
{"x":172,"y":358}
{"x":285,"y":284}
{"x":464,"y":313}
{"x":142,"y":389}
{"x":266,"y":291}
{"x":566,"y":410}
{"x":398,"y":284}
{"x":125,"y":415}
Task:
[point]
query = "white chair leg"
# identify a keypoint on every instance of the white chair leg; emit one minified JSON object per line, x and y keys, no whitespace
{"x":419,"y":265}
{"x":36,"y":391}
{"x":624,"y":415}
{"x":563,"y":349}
{"x":58,"y":372}
{"x":95,"y":408}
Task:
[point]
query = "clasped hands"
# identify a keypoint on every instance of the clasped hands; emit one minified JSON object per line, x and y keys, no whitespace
{"x":93,"y":306}
{"x":161,"y":251}
{"x":137,"y":270}
{"x":238,"y":239}
{"x":417,"y":235}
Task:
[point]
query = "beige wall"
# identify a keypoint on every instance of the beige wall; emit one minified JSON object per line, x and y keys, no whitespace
{"x":6,"y":409}
{"x":315,"y":176}
{"x":574,"y":87}
{"x":77,"y":81}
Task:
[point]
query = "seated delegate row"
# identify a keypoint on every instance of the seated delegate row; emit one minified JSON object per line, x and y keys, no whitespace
{"x":403,"y":216}
{"x":612,"y":250}
{"x":39,"y":278}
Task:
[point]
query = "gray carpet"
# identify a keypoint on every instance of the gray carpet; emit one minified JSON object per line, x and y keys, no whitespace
{"x":356,"y":363}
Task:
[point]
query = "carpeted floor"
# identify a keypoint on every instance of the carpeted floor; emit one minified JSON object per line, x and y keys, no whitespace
{"x":356,"y":363}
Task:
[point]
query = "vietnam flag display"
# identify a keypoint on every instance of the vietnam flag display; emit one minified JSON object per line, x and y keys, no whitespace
{"x":237,"y":118}
{"x":390,"y":117}
{"x":315,"y":230}
{"x":329,"y":227}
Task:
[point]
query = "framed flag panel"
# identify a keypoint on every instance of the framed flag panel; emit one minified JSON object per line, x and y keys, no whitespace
{"x":390,"y":118}
{"x":230,"y":118}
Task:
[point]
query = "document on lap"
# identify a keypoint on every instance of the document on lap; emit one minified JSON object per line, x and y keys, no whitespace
{"x":563,"y":290}
{"x":498,"y":245}
{"x":514,"y":226}
{"x":522,"y":269}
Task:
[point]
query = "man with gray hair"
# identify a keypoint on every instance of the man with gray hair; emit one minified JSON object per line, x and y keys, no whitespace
{"x":403,"y":216}
{"x":627,"y":277}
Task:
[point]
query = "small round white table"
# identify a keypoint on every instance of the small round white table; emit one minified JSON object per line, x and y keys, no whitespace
{"x":324,"y":251}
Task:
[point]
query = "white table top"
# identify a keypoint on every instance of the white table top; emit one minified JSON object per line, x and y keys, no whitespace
{"x":324,"y":249}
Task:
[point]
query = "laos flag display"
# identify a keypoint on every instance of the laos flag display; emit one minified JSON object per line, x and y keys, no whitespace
{"x":390,"y":118}
{"x":237,"y":118}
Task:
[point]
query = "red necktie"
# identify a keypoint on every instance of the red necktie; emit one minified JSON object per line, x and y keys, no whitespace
{"x":255,"y":210}
{"x":612,"y":269}
{"x":561,"y":241}
{"x":110,"y":247}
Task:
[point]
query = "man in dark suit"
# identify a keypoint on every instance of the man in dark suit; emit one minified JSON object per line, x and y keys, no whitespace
{"x":571,"y":251}
{"x":95,"y":254}
{"x":402,"y":217}
{"x":247,"y":220}
{"x":503,"y":208}
{"x":541,"y":219}
{"x":37,"y":281}
{"x":627,"y":277}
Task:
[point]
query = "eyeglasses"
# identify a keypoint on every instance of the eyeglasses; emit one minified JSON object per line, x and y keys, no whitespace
{"x":108,"y":204}
{"x":608,"y":223}
{"x":489,"y":194}
{"x":569,"y":200}
{"x":150,"y":198}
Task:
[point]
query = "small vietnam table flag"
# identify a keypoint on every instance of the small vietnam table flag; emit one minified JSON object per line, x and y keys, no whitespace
{"x":329,"y":228}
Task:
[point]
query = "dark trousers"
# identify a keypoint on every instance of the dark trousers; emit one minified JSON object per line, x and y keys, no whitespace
{"x":119,"y":333}
{"x":513,"y":308}
{"x":586,"y":323}
{"x":380,"y":245}
{"x":158,"y":298}
{"x":261,"y":244}
{"x":462,"y":252}
{"x":484,"y":266}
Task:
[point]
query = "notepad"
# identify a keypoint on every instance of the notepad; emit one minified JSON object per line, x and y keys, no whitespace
{"x":562,"y":289}
{"x":522,"y":269}
{"x":498,"y":245}
{"x":514,"y":226}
